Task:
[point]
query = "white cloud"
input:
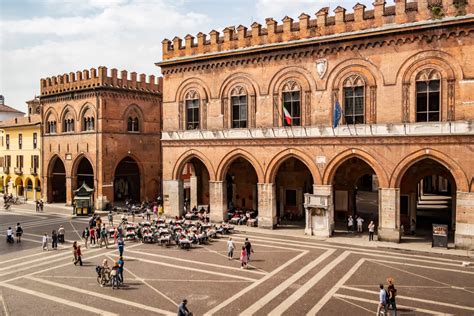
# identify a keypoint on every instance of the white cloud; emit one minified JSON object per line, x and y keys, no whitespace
{"x":121,"y":34}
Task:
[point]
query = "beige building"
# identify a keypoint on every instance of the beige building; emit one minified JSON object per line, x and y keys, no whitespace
{"x":248,"y":119}
{"x":20,"y":147}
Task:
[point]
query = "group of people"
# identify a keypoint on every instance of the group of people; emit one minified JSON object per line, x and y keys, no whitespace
{"x":245,"y":252}
{"x":56,"y":236}
{"x":387,"y":298}
{"x":359,"y":221}
{"x":18,"y":233}
{"x":113,"y":274}
{"x":39,"y":206}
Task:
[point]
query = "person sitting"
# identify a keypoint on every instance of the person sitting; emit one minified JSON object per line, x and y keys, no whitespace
{"x":10,"y":235}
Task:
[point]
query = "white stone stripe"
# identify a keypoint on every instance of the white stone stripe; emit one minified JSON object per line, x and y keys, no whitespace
{"x":422,"y":266}
{"x":287,"y":283}
{"x":255,"y":284}
{"x":21,"y":258}
{"x":103,"y":296}
{"x":415,"y":309}
{"x":15,"y":267}
{"x":58,"y":300}
{"x":334,"y":289}
{"x":410,"y":298}
{"x":196,"y":262}
{"x":4,"y":305}
{"x":174,"y":266}
{"x":293,"y":298}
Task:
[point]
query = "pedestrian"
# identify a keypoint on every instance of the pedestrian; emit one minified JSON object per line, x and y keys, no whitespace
{"x":120,"y":246}
{"x":93,"y":234}
{"x":103,"y":238}
{"x":74,"y":252}
{"x":19,"y":232}
{"x":359,"y":221}
{"x":41,"y":206}
{"x":243,"y":258}
{"x":413,"y":227}
{"x":45,"y":242}
{"x":148,"y":213}
{"x":230,"y":249}
{"x":120,"y":269}
{"x":10,"y":236}
{"x":183,"y":309}
{"x":382,"y":300}
{"x":392,"y":292}
{"x":61,"y":233}
{"x":54,"y":240}
{"x":350,"y":224}
{"x":110,"y":216}
{"x":98,"y":222}
{"x":85,"y":235}
{"x":37,"y":206}
{"x":371,"y":230}
{"x":78,"y":255}
{"x":248,"y":247}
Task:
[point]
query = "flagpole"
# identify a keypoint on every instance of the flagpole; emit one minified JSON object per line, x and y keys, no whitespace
{"x":280,"y":116}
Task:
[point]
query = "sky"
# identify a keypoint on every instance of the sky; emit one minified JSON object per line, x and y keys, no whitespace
{"x":44,"y":38}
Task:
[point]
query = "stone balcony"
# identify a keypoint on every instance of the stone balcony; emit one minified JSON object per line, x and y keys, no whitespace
{"x":19,"y":171}
{"x":6,"y":170}
{"x":365,"y":130}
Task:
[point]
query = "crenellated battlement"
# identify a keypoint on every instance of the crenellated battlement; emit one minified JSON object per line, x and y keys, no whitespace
{"x":100,"y":77}
{"x":323,"y":24}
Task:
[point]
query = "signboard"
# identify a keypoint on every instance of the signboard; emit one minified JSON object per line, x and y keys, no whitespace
{"x":440,"y":236}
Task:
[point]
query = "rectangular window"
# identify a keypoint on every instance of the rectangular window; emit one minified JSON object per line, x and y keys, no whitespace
{"x":35,"y":140}
{"x":192,"y":114}
{"x":428,"y":101}
{"x":8,"y":161}
{"x":292,"y":103}
{"x":239,"y":111}
{"x":354,"y":105}
{"x":20,"y":141}
{"x":7,"y":141}
{"x":19,"y":161}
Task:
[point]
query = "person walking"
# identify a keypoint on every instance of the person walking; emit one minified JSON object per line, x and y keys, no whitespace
{"x":371,"y":230}
{"x":19,"y":232}
{"x":230,"y":249}
{"x":120,"y":269}
{"x":392,"y":292}
{"x":350,"y":224}
{"x":61,"y":233}
{"x":85,"y":235}
{"x":41,"y":206}
{"x":103,"y":238}
{"x":93,"y":235}
{"x":248,"y":247}
{"x":110,"y":217}
{"x":360,"y":222}
{"x":45,"y":242}
{"x":120,"y":246}
{"x":54,"y":240}
{"x":78,"y":255}
{"x":183,"y":309}
{"x":37,"y":206}
{"x":243,"y":258}
{"x":382,"y":300}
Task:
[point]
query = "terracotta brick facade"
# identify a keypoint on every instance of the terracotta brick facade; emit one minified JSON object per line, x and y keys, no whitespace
{"x":387,"y":50}
{"x":88,"y":115}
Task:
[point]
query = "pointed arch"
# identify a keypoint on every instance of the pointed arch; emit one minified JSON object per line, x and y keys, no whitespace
{"x":87,"y":117}
{"x":339,"y":159}
{"x":273,"y":166}
{"x":133,"y":114}
{"x":188,"y":155}
{"x":189,"y":83}
{"x":230,"y":157}
{"x":460,"y":177}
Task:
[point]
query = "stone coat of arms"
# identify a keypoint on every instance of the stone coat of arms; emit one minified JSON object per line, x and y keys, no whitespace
{"x":321,"y":67}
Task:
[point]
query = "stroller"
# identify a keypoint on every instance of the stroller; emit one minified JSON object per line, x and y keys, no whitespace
{"x":10,"y":239}
{"x":103,"y":276}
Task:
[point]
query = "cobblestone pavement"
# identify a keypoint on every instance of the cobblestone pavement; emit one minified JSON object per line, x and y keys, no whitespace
{"x":287,"y":275}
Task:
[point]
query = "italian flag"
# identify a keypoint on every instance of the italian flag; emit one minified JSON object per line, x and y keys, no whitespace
{"x":288,"y":117}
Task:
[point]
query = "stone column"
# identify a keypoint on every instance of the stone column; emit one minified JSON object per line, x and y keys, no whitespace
{"x":69,"y":194}
{"x":173,"y":201}
{"x":412,"y":207}
{"x":34,"y":193}
{"x":217,"y":200}
{"x":254,"y":197}
{"x":464,"y":234}
{"x":267,"y":217}
{"x":389,"y":214}
{"x":193,"y":192}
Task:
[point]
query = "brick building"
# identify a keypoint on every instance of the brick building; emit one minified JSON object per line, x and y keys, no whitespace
{"x":103,"y":130}
{"x":403,"y":150}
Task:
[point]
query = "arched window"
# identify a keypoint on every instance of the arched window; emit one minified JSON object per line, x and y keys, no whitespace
{"x":132,"y":124}
{"x":354,"y":100}
{"x":238,"y":102}
{"x":291,"y":96}
{"x":428,"y":94}
{"x":88,"y":121}
{"x":50,"y":126}
{"x":192,"y":110}
{"x":68,"y":123}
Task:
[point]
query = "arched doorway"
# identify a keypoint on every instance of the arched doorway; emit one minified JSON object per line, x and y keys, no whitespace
{"x":127,"y":180}
{"x":84,"y":173}
{"x":195,"y":179}
{"x":29,"y":189}
{"x":355,"y":186}
{"x":241,"y":188}
{"x":19,"y":189}
{"x":38,"y":188}
{"x":293,"y":179}
{"x":427,"y":196}
{"x":57,"y":183}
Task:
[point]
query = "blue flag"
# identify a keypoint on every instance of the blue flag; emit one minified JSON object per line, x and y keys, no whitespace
{"x":337,"y":114}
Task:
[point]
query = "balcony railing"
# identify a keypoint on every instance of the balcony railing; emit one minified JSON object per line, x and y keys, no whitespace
{"x":34,"y":171}
{"x":360,"y":131}
{"x":18,"y":170}
{"x":6,"y":170}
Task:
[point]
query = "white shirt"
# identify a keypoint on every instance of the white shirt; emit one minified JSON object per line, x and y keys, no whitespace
{"x":45,"y":239}
{"x":360,"y":220}
{"x":230,"y":245}
{"x":9,"y":232}
{"x":351,"y":221}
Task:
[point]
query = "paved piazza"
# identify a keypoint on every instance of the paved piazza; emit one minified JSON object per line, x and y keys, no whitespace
{"x":290,"y":276}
